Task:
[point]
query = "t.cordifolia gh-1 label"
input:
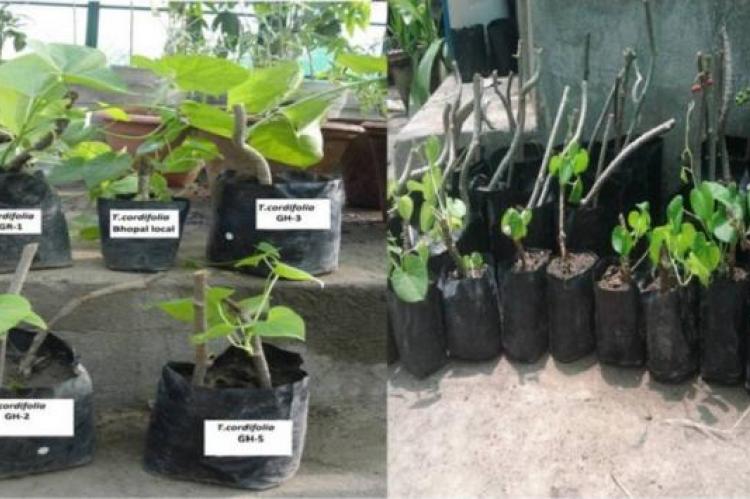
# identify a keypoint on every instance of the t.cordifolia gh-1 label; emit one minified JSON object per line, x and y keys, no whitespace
{"x":144,"y":224}
{"x":36,"y":418}
{"x":247,"y":438}
{"x":27,"y":222}
{"x":293,"y":214}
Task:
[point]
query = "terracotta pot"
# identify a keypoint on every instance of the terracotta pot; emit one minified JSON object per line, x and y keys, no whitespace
{"x":131,"y":134}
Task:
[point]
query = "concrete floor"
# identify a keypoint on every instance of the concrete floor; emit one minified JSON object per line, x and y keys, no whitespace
{"x":549,"y":429}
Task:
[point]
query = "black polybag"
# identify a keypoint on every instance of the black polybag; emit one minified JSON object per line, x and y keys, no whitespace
{"x":175,"y":439}
{"x":525,"y":327}
{"x":723,"y":330}
{"x":472,"y":316}
{"x":233,"y":234}
{"x":500,"y":35}
{"x":470,"y":51}
{"x":419,"y":333}
{"x":139,"y":255}
{"x":24,"y":191}
{"x":620,"y":339}
{"x":21,"y":456}
{"x":571,"y":315}
{"x":671,"y":321}
{"x":589,"y":228}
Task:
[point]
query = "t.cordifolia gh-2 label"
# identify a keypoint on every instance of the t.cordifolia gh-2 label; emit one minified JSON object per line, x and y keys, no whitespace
{"x":36,"y":418}
{"x":247,"y":438}
{"x":293,"y":214}
{"x":27,"y":222}
{"x":144,"y":224}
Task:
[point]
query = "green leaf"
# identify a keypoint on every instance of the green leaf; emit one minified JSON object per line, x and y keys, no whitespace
{"x":580,"y":161}
{"x":292,"y":273}
{"x":214,"y":332}
{"x":191,"y":153}
{"x":622,"y":241}
{"x":702,"y":202}
{"x":80,"y":65}
{"x":251,"y":306}
{"x":409,"y":281}
{"x":107,"y":166}
{"x":675,"y":212}
{"x":208,"y":118}
{"x":455,"y":207}
{"x":196,"y":73}
{"x":576,"y":192}
{"x":432,"y":149}
{"x":426,"y":217}
{"x":281,"y":322}
{"x":265,"y":88}
{"x":34,"y":320}
{"x":363,"y":64}
{"x":405,"y":208}
{"x":14,"y":309}
{"x":279,"y":140}
{"x":656,"y":242}
{"x":422,"y":81}
{"x":725,"y":232}
{"x":181,"y":310}
{"x":512,"y":224}
{"x":554,"y":164}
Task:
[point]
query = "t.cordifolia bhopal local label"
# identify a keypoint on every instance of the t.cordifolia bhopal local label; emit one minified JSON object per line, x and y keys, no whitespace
{"x":36,"y":418}
{"x":293,"y":214}
{"x":144,"y":224}
{"x":247,"y":437}
{"x":26,"y":222}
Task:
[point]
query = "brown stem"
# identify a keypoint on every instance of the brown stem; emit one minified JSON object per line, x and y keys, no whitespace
{"x":255,"y":161}
{"x":16,"y":286}
{"x":664,"y":280}
{"x":200,"y":325}
{"x":29,"y":358}
{"x":144,"y":179}
{"x":260,"y":363}
{"x":521,"y":254}
{"x":561,"y":236}
{"x":451,"y":247}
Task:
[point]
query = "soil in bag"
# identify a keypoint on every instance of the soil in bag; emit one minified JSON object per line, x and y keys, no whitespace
{"x":59,"y":375}
{"x":525,"y":328}
{"x":21,"y":191}
{"x":175,"y":440}
{"x":138,"y":254}
{"x":472,"y":315}
{"x":470,"y":51}
{"x":234,"y":236}
{"x":723,"y":328}
{"x":570,"y":298}
{"x":419,"y":333}
{"x":620,"y":340}
{"x":500,"y":34}
{"x":670,"y":320}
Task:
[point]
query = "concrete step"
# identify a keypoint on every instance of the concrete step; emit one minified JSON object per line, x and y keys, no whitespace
{"x":339,"y":461}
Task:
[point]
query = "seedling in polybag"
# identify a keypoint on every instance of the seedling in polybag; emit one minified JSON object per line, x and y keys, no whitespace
{"x":626,"y":236}
{"x":679,"y":252}
{"x":515,"y":225}
{"x":568,"y":166}
{"x":217,"y":314}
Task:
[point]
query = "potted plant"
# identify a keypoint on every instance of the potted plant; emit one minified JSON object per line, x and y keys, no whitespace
{"x":525,"y":328}
{"x":414,"y":308}
{"x":678,"y":253}
{"x":720,"y":213}
{"x":619,"y":334}
{"x":37,"y":108}
{"x":140,"y":222}
{"x":241,"y":418}
{"x":46,"y":394}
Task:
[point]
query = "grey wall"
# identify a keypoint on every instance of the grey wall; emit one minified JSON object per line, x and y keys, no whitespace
{"x":682,"y":27}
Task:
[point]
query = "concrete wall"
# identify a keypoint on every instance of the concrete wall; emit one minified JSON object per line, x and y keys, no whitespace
{"x":682,"y":27}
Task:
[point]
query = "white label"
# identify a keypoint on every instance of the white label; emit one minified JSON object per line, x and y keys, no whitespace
{"x":36,"y":418}
{"x":293,"y":214}
{"x":144,"y":224}
{"x":21,"y":222}
{"x":247,"y":438}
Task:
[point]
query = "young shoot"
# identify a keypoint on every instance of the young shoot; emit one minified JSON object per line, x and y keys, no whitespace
{"x":626,"y":235}
{"x":243,"y":322}
{"x":567,"y":167}
{"x":720,"y":210}
{"x":679,"y":252}
{"x":515,"y":225}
